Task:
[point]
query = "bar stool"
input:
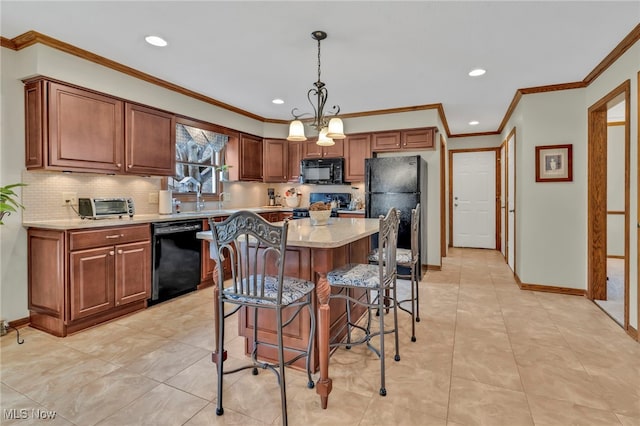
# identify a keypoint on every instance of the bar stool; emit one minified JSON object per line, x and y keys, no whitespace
{"x":257,"y":251}
{"x":408,"y":260}
{"x":377,"y":279}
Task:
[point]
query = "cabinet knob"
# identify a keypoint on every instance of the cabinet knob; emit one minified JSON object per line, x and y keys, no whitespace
{"x":119,"y":251}
{"x":111,"y":253}
{"x":119,"y":165}
{"x":129,"y":166}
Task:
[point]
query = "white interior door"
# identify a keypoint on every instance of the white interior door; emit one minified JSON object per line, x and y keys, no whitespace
{"x":511,"y":202}
{"x":474,"y":194}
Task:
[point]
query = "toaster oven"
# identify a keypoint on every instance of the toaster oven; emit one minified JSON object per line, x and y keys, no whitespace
{"x":97,"y":208}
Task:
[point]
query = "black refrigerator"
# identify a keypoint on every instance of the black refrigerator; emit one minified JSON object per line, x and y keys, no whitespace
{"x":399,"y":182}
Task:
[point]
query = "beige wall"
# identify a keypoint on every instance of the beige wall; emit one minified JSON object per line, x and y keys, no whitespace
{"x":43,"y":194}
{"x":551,"y":221}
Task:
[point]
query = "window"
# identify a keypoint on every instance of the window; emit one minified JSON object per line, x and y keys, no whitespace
{"x":199,"y":154}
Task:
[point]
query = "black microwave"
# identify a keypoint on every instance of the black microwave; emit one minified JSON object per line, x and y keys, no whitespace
{"x":322,"y":171}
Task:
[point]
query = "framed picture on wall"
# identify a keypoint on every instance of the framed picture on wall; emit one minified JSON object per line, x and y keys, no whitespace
{"x":554,"y":163}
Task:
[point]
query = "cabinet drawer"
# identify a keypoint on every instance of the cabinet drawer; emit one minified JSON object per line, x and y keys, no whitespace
{"x":79,"y":240}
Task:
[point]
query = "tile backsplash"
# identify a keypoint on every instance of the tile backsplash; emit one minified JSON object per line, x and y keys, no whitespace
{"x":42,"y":197}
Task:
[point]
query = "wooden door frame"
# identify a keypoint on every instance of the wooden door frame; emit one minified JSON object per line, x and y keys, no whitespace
{"x":511,"y":134}
{"x":443,"y":193}
{"x":496,"y":203}
{"x":597,"y":197}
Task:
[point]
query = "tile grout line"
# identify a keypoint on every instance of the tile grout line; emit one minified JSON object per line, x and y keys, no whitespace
{"x":515,"y":361}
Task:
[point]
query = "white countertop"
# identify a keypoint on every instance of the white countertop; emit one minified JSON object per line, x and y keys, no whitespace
{"x":338,"y":232}
{"x":138,"y":219}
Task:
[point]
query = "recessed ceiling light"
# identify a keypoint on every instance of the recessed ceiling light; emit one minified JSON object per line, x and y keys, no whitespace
{"x":474,"y":123}
{"x":278,"y":101}
{"x":156,"y":41}
{"x":477,"y":72}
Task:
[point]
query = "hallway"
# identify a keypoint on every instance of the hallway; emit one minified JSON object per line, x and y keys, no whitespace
{"x":487,"y":353}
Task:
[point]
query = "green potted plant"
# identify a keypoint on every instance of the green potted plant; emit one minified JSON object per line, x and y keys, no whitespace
{"x":9,"y":200}
{"x":224,"y":172}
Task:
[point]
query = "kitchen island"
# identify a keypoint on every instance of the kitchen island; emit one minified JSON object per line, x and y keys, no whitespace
{"x":312,"y":251}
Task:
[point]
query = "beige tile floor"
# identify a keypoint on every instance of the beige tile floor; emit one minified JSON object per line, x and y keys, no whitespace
{"x":487,"y":353}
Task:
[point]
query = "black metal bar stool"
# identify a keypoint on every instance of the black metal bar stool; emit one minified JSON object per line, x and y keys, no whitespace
{"x":376,"y":280}
{"x":407,"y":259}
{"x":257,"y":251}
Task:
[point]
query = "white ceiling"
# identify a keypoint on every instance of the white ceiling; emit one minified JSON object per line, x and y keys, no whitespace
{"x":378,"y":55}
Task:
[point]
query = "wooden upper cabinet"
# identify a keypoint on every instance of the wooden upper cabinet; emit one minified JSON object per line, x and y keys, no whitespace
{"x":386,"y":141}
{"x":399,"y":140}
{"x":419,"y":138}
{"x":250,"y":161}
{"x":85,"y":129}
{"x":275,"y":162}
{"x":356,"y":149}
{"x":313,"y":150}
{"x":296,"y":153}
{"x":76,"y":129}
{"x":150,"y":142}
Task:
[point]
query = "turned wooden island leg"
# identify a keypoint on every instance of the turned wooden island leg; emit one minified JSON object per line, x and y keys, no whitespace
{"x":323,"y":386}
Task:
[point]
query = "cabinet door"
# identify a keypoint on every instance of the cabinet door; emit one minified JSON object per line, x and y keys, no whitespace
{"x":208,"y":264}
{"x":386,"y":141}
{"x":276,"y":153}
{"x":418,"y":138}
{"x":85,"y":130}
{"x":150,"y":143}
{"x":271,"y":216}
{"x":132,"y":272}
{"x":295,"y":154}
{"x":312,"y":149}
{"x":334,"y":151}
{"x":250,"y":158}
{"x":356,"y":149}
{"x":91,"y":281}
{"x":284,"y":215}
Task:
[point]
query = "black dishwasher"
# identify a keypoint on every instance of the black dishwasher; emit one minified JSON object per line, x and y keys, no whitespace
{"x":176,"y":259}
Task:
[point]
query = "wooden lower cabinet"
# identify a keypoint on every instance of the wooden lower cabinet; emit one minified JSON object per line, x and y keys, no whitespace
{"x":208,"y":264}
{"x":79,"y":278}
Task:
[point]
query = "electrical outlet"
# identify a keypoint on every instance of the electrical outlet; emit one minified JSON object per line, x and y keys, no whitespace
{"x":71,"y":197}
{"x":153,"y":197}
{"x":4,"y":327}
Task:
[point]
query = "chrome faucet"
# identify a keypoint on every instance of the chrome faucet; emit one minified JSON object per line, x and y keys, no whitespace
{"x":199,"y":200}
{"x":221,"y":200}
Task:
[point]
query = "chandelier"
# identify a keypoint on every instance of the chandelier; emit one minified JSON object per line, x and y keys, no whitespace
{"x":328,"y":129}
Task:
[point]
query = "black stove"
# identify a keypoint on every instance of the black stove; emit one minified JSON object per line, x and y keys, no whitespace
{"x":341,"y":199}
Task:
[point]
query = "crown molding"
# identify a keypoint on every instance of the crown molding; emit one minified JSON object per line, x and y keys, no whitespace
{"x":611,"y":58}
{"x":32,"y":37}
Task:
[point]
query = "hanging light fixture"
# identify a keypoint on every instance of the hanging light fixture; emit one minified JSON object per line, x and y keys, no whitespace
{"x":328,"y":129}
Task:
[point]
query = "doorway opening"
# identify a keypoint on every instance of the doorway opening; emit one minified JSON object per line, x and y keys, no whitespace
{"x":608,"y":205}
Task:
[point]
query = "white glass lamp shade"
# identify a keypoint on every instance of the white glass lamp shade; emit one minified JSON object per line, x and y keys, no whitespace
{"x":336,"y":129}
{"x":323,"y":140}
{"x":296,"y":131}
